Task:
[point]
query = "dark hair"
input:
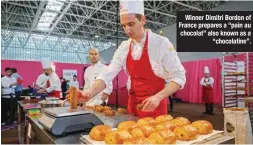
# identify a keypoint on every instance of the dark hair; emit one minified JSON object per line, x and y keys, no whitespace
{"x":75,"y":76}
{"x":138,"y":16}
{"x":7,"y":68}
{"x":14,"y":70}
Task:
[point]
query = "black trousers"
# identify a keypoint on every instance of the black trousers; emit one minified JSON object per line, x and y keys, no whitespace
{"x":9,"y":110}
{"x":209,"y":108}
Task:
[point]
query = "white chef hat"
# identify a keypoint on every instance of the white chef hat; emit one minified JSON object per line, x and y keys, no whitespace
{"x":46,"y":63}
{"x":206,"y":70}
{"x":131,"y":6}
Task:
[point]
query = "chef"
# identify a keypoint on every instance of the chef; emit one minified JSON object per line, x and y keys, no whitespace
{"x":53,"y":84}
{"x":207,"y":91}
{"x":8,"y":86}
{"x":149,"y":59}
{"x":91,"y":73}
{"x":41,"y":81}
{"x":74,"y":82}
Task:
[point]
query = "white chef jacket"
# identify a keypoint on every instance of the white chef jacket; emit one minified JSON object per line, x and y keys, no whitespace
{"x":162,"y":55}
{"x":41,"y":80}
{"x":210,"y":82}
{"x":90,"y":75}
{"x":6,"y":89}
{"x":55,"y":83}
{"x":74,"y":83}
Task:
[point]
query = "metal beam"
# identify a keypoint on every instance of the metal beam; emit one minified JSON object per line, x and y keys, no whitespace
{"x":84,"y":20}
{"x":57,"y":21}
{"x":114,"y":13}
{"x":36,"y":19}
{"x":186,"y":5}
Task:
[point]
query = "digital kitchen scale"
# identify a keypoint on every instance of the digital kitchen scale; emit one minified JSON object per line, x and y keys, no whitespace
{"x":60,"y":120}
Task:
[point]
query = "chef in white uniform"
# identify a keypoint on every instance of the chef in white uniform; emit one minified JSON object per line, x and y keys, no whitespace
{"x":53,"y":84}
{"x":9,"y":84}
{"x":90,"y":75}
{"x":41,"y":81}
{"x":154,"y":51}
{"x":74,"y":82}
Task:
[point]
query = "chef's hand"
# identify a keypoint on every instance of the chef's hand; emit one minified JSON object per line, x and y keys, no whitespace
{"x":151,"y":103}
{"x":42,"y":91}
{"x":83,"y":96}
{"x":103,"y":98}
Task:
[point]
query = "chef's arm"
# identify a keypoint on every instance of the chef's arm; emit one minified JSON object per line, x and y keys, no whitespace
{"x":211,"y":81}
{"x":54,"y":86}
{"x":97,"y":87}
{"x":109,"y":73}
{"x":202,"y":82}
{"x":169,"y":89}
{"x":107,"y":91}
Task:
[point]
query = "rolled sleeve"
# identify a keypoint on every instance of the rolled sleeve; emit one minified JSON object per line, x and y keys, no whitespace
{"x":111,"y":71}
{"x":55,"y":84}
{"x":173,"y":65}
{"x":108,"y":89}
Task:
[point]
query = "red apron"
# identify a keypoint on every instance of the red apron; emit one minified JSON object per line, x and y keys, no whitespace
{"x":207,"y":94}
{"x":54,"y":93}
{"x":144,"y":83}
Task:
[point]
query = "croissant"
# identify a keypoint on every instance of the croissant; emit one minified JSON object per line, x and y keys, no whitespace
{"x":90,"y":107}
{"x":165,"y":125}
{"x":179,"y":121}
{"x":122,"y":110}
{"x":162,"y":137}
{"x":203,"y":126}
{"x":98,"y":132}
{"x":127,"y":125}
{"x":137,"y":140}
{"x":109,"y":112}
{"x":186,"y":132}
{"x":162,"y":118}
{"x":145,"y":120}
{"x":107,"y":108}
{"x":99,"y":108}
{"x":117,"y":136}
{"x":142,"y":131}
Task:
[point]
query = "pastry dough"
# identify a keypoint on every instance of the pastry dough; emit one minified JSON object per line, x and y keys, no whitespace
{"x":73,"y":94}
{"x":137,"y":140}
{"x":109,"y":112}
{"x":203,"y":126}
{"x":180,"y":121}
{"x":165,"y":125}
{"x":107,"y":108}
{"x":117,"y":136}
{"x":162,"y":118}
{"x":127,"y":125}
{"x":186,"y":132}
{"x":99,"y":108}
{"x":122,"y":110}
{"x":142,"y":131}
{"x":162,"y":137}
{"x":98,"y":132}
{"x":145,"y":120}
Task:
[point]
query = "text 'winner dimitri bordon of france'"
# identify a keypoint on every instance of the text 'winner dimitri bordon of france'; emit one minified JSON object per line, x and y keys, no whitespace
{"x":224,"y":29}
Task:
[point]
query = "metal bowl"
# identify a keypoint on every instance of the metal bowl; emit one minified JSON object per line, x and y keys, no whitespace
{"x":50,"y":104}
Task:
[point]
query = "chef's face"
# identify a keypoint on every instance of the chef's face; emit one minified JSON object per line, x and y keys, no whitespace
{"x":48,"y":71}
{"x":8,"y":73}
{"x":93,"y":56}
{"x":74,"y":78}
{"x":207,"y":75}
{"x":133,"y":25}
